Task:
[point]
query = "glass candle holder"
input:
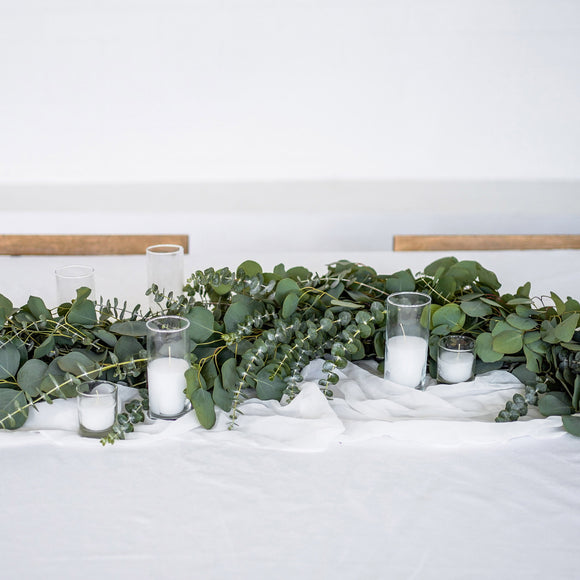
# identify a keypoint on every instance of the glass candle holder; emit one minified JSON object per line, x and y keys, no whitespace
{"x":168,"y":359}
{"x":70,"y":278}
{"x":165,"y":269}
{"x":97,"y":408}
{"x":407,"y":338}
{"x":455,"y":359}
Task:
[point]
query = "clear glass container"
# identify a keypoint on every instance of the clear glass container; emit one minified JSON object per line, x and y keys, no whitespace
{"x":407,"y":338}
{"x":165,"y":269}
{"x":70,"y":278}
{"x":97,"y":408}
{"x":455,"y":359}
{"x":168,"y":359}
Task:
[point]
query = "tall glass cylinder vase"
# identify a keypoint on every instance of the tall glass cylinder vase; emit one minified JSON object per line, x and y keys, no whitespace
{"x":165,"y":269}
{"x":407,"y":338}
{"x":168,"y":359}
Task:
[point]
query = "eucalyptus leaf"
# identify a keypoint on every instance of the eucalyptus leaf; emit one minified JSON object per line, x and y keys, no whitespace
{"x":444,"y":263}
{"x":402,"y":281}
{"x":37,"y":308}
{"x":204,"y":408}
{"x":222,"y":398}
{"x":555,"y":403}
{"x":450,"y":315}
{"x":268,"y":386}
{"x":82,"y":313}
{"x":290,"y":305}
{"x":236,"y":314}
{"x":201,"y":324}
{"x":127,"y":348}
{"x":136,"y":328}
{"x":77,"y":363}
{"x":194,"y":381}
{"x":285,"y":287}
{"x":521,"y":323}
{"x":13,"y":409}
{"x":572,"y":424}
{"x":484,"y":348}
{"x":565,"y":330}
{"x":30,"y":376}
{"x":250,"y":268}
{"x":9,"y":360}
{"x":508,"y":342}
{"x":475,"y":308}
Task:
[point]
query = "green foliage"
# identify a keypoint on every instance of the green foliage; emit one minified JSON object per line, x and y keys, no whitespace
{"x":252,"y":333}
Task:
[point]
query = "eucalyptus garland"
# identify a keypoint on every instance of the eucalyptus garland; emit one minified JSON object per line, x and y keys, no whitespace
{"x":253,"y":332}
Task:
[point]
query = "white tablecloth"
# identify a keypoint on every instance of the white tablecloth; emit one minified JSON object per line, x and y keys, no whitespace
{"x":380,"y":482}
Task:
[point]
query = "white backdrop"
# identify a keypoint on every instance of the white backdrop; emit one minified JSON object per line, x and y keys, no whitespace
{"x":353,"y":104}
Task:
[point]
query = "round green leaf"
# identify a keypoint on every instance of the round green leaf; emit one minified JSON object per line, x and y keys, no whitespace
{"x":269,"y":389}
{"x":30,"y":376}
{"x":12,"y":412}
{"x":76,"y":363}
{"x":475,"y":308}
{"x":402,"y":281}
{"x":127,"y":348}
{"x":298,"y":273}
{"x":201,"y":323}
{"x":508,"y":342}
{"x":204,"y":408}
{"x":484,"y":348}
{"x":565,"y":330}
{"x":572,"y":424}
{"x":229,"y":374}
{"x":82,"y":312}
{"x":285,"y":287}
{"x":521,"y":323}
{"x":290,"y":305}
{"x":222,"y":398}
{"x":236,"y":314}
{"x":37,"y":308}
{"x":9,"y":360}
{"x":130,"y":328}
{"x":451,"y":315}
{"x":555,"y":403}
{"x":250,"y":268}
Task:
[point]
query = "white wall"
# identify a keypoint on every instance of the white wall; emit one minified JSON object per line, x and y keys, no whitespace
{"x":360,"y":101}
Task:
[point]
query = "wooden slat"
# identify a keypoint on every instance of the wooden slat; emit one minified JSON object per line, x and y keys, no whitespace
{"x":480,"y":242}
{"x":84,"y":245}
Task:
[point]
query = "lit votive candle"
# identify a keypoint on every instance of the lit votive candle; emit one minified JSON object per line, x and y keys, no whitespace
{"x":97,"y":408}
{"x":455,"y":359}
{"x":166,"y":383}
{"x":406,"y":360}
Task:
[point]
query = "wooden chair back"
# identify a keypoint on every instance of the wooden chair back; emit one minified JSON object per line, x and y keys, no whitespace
{"x":426,"y":243}
{"x":84,"y":245}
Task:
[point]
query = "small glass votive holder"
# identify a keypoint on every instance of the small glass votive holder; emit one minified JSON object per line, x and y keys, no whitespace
{"x":407,"y":338}
{"x":165,"y":269}
{"x":455,"y":359}
{"x":168,"y":359}
{"x":97,"y":408}
{"x":70,"y":278}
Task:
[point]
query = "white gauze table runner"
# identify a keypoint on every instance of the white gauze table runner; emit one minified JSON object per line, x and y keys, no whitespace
{"x":364,"y":406}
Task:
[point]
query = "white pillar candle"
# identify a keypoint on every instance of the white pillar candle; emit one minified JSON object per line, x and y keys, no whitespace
{"x":98,"y":411}
{"x":406,"y":360}
{"x":166,"y":383}
{"x":455,"y":367}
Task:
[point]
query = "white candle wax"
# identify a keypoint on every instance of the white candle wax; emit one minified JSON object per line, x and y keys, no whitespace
{"x":97,"y":413}
{"x":166,"y":383}
{"x":406,"y":360}
{"x":455,"y":367}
